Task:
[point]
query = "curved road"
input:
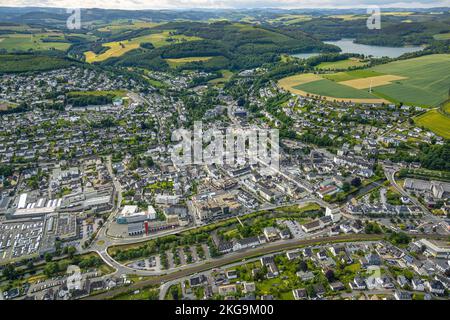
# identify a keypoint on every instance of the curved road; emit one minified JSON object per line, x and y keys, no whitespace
{"x":287,"y":245}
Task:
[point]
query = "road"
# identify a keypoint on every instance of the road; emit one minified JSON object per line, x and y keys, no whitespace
{"x":228,"y":259}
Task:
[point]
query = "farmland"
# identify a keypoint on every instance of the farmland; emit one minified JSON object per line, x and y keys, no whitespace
{"x":118,"y":26}
{"x":442,"y":36}
{"x":435,"y":121}
{"x":40,"y":41}
{"x":315,"y":85}
{"x":428,"y":80}
{"x":226,"y":75}
{"x":340,"y":65}
{"x":423,"y":81}
{"x":118,"y":48}
{"x":28,"y":62}
{"x":180,"y":61}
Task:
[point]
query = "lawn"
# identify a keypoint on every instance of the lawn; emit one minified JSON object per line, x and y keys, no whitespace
{"x":119,"y":48}
{"x":435,"y":121}
{"x":25,"y":42}
{"x":340,"y":65}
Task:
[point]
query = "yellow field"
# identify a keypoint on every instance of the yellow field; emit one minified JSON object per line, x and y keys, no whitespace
{"x":118,"y":48}
{"x":289,"y":83}
{"x":365,"y":83}
{"x":435,"y":121}
{"x":348,"y":17}
{"x":180,"y":61}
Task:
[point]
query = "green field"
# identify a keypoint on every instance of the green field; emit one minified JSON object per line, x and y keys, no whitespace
{"x":422,"y":81}
{"x":340,"y":65}
{"x":115,"y":93}
{"x":435,"y":121}
{"x":26,"y":62}
{"x":442,"y":36}
{"x":329,"y":88}
{"x":41,"y":41}
{"x":428,"y":80}
{"x":122,"y":25}
{"x":446,"y":108}
{"x":173,"y":63}
{"x":351,"y":75}
{"x":226,"y":75}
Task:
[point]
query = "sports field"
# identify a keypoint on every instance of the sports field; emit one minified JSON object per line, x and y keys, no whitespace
{"x":435,"y":121}
{"x":422,"y":81}
{"x":24,"y":42}
{"x":118,"y":48}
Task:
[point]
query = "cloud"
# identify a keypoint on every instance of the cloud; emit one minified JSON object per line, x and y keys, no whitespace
{"x":214,"y":4}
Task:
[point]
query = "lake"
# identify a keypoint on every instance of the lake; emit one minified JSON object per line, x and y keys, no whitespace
{"x":348,"y":46}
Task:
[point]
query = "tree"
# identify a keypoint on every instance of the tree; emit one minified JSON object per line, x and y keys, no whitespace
{"x":71,"y":251}
{"x":356,"y":182}
{"x":174,"y":293}
{"x":302,"y":266}
{"x":10,"y":272}
{"x":51,"y":269}
{"x":346,"y":186}
{"x":329,"y":275}
{"x":48,"y":257}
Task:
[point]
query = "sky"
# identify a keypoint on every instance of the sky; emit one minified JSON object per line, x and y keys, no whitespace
{"x":218,"y":4}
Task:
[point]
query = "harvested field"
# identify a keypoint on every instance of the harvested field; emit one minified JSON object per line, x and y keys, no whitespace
{"x":366,"y":83}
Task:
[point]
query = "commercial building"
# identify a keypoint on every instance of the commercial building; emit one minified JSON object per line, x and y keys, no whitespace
{"x":130,"y":214}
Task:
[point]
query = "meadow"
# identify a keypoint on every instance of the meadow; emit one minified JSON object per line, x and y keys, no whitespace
{"x":340,"y":65}
{"x":435,"y":121}
{"x":422,"y":81}
{"x":122,"y":25}
{"x":427,"y":83}
{"x":173,"y":63}
{"x":40,"y":41}
{"x":28,"y":62}
{"x":226,"y":76}
{"x":118,"y":48}
{"x":442,"y":36}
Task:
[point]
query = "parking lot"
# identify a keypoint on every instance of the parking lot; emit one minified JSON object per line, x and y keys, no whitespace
{"x":20,"y":239}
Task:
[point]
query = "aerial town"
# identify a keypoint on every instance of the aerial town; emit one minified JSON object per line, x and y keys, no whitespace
{"x":93,"y":205}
